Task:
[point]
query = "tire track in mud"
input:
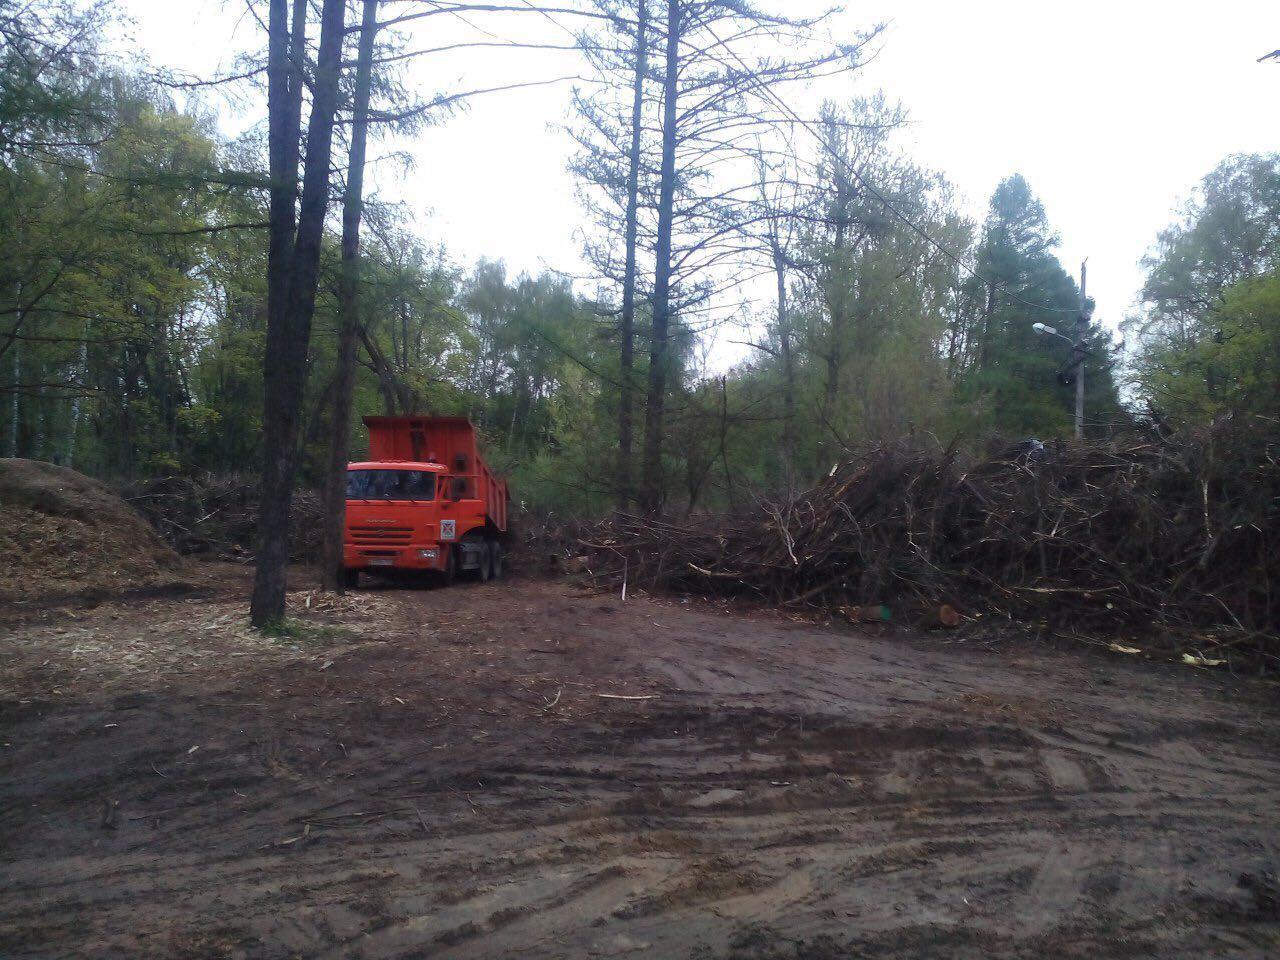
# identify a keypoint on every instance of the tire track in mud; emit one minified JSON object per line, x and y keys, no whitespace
{"x":1061,"y":881}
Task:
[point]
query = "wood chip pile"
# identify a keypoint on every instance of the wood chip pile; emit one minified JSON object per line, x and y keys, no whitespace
{"x":1176,"y":540}
{"x":62,"y":533}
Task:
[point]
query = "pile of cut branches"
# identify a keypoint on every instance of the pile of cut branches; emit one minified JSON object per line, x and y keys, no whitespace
{"x":216,"y":515}
{"x":1175,"y":540}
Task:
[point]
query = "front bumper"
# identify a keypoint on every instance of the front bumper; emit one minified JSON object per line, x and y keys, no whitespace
{"x":429,"y":556}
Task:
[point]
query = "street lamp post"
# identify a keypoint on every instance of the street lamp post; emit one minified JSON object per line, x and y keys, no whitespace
{"x":1082,"y":326}
{"x":1079,"y":350}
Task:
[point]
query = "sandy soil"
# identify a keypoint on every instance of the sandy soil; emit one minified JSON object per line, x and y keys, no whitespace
{"x":437,"y":773}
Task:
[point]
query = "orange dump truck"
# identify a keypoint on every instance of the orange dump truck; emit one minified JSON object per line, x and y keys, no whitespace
{"x":424,"y":500}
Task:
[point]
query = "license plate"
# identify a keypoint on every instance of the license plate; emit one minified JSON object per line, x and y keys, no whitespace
{"x":382,"y":561}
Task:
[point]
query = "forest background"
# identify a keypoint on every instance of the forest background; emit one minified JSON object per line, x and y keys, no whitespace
{"x":864,"y":303}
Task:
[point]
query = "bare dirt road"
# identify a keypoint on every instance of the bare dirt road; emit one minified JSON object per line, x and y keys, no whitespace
{"x":453,"y":773}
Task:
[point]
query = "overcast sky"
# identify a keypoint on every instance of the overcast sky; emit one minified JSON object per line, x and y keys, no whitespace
{"x":1112,"y":110}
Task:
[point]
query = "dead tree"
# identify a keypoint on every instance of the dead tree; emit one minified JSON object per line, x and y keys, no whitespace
{"x":719,"y":89}
{"x":614,"y":168}
{"x":627,"y":358}
{"x":785,"y":205}
{"x":658,"y":351}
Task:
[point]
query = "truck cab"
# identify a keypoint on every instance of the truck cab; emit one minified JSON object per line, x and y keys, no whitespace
{"x":424,"y":501}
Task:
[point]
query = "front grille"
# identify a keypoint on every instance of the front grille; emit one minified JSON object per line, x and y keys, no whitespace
{"x":381,"y":535}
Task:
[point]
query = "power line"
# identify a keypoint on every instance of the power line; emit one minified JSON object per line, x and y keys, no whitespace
{"x":920,"y":231}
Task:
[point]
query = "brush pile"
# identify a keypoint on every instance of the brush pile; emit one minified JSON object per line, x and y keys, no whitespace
{"x":217,"y":515}
{"x":1176,"y":541}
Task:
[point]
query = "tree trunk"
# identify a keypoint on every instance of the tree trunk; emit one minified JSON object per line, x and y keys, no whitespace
{"x":77,"y":398}
{"x":291,"y":281}
{"x":837,"y":302}
{"x":954,"y":343}
{"x":724,"y":444}
{"x":788,"y":449}
{"x":37,"y":446}
{"x":335,"y":494}
{"x":285,"y":47}
{"x":984,"y":345}
{"x":659,"y":348}
{"x":626,"y":397}
{"x":381,"y":368}
{"x":15,"y":409}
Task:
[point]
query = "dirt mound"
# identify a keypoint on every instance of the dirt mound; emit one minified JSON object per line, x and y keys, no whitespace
{"x":62,"y":533}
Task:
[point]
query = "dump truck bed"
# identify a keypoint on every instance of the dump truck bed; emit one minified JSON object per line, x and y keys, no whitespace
{"x":449,"y":441}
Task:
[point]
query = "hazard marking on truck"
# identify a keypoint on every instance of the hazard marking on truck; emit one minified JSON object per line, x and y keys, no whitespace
{"x":448,"y":529}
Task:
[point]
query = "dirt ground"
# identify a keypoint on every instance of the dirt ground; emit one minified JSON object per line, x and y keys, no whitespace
{"x":457,"y":773}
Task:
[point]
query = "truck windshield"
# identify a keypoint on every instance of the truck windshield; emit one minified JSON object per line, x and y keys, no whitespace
{"x":390,"y":485}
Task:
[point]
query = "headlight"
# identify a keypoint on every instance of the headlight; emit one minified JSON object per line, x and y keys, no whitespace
{"x":427,"y":554}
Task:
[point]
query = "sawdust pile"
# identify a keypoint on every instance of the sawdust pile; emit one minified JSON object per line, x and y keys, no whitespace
{"x":62,"y":533}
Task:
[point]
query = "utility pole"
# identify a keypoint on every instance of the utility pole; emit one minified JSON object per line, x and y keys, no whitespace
{"x":1082,"y":327}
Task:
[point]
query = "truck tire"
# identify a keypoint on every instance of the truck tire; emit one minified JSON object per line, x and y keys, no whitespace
{"x":485,"y":567}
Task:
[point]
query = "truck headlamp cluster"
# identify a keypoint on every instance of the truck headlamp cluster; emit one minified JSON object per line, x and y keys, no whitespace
{"x":427,"y":554}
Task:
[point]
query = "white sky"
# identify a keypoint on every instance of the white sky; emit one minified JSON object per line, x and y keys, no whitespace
{"x":1112,"y":109}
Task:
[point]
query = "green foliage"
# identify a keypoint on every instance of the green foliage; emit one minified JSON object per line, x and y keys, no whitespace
{"x":890,"y":336}
{"x":1207,"y":338}
{"x":132,"y":310}
{"x":1235,"y":369}
{"x":102,"y":288}
{"x":49,"y":95}
{"x":1011,"y":380}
